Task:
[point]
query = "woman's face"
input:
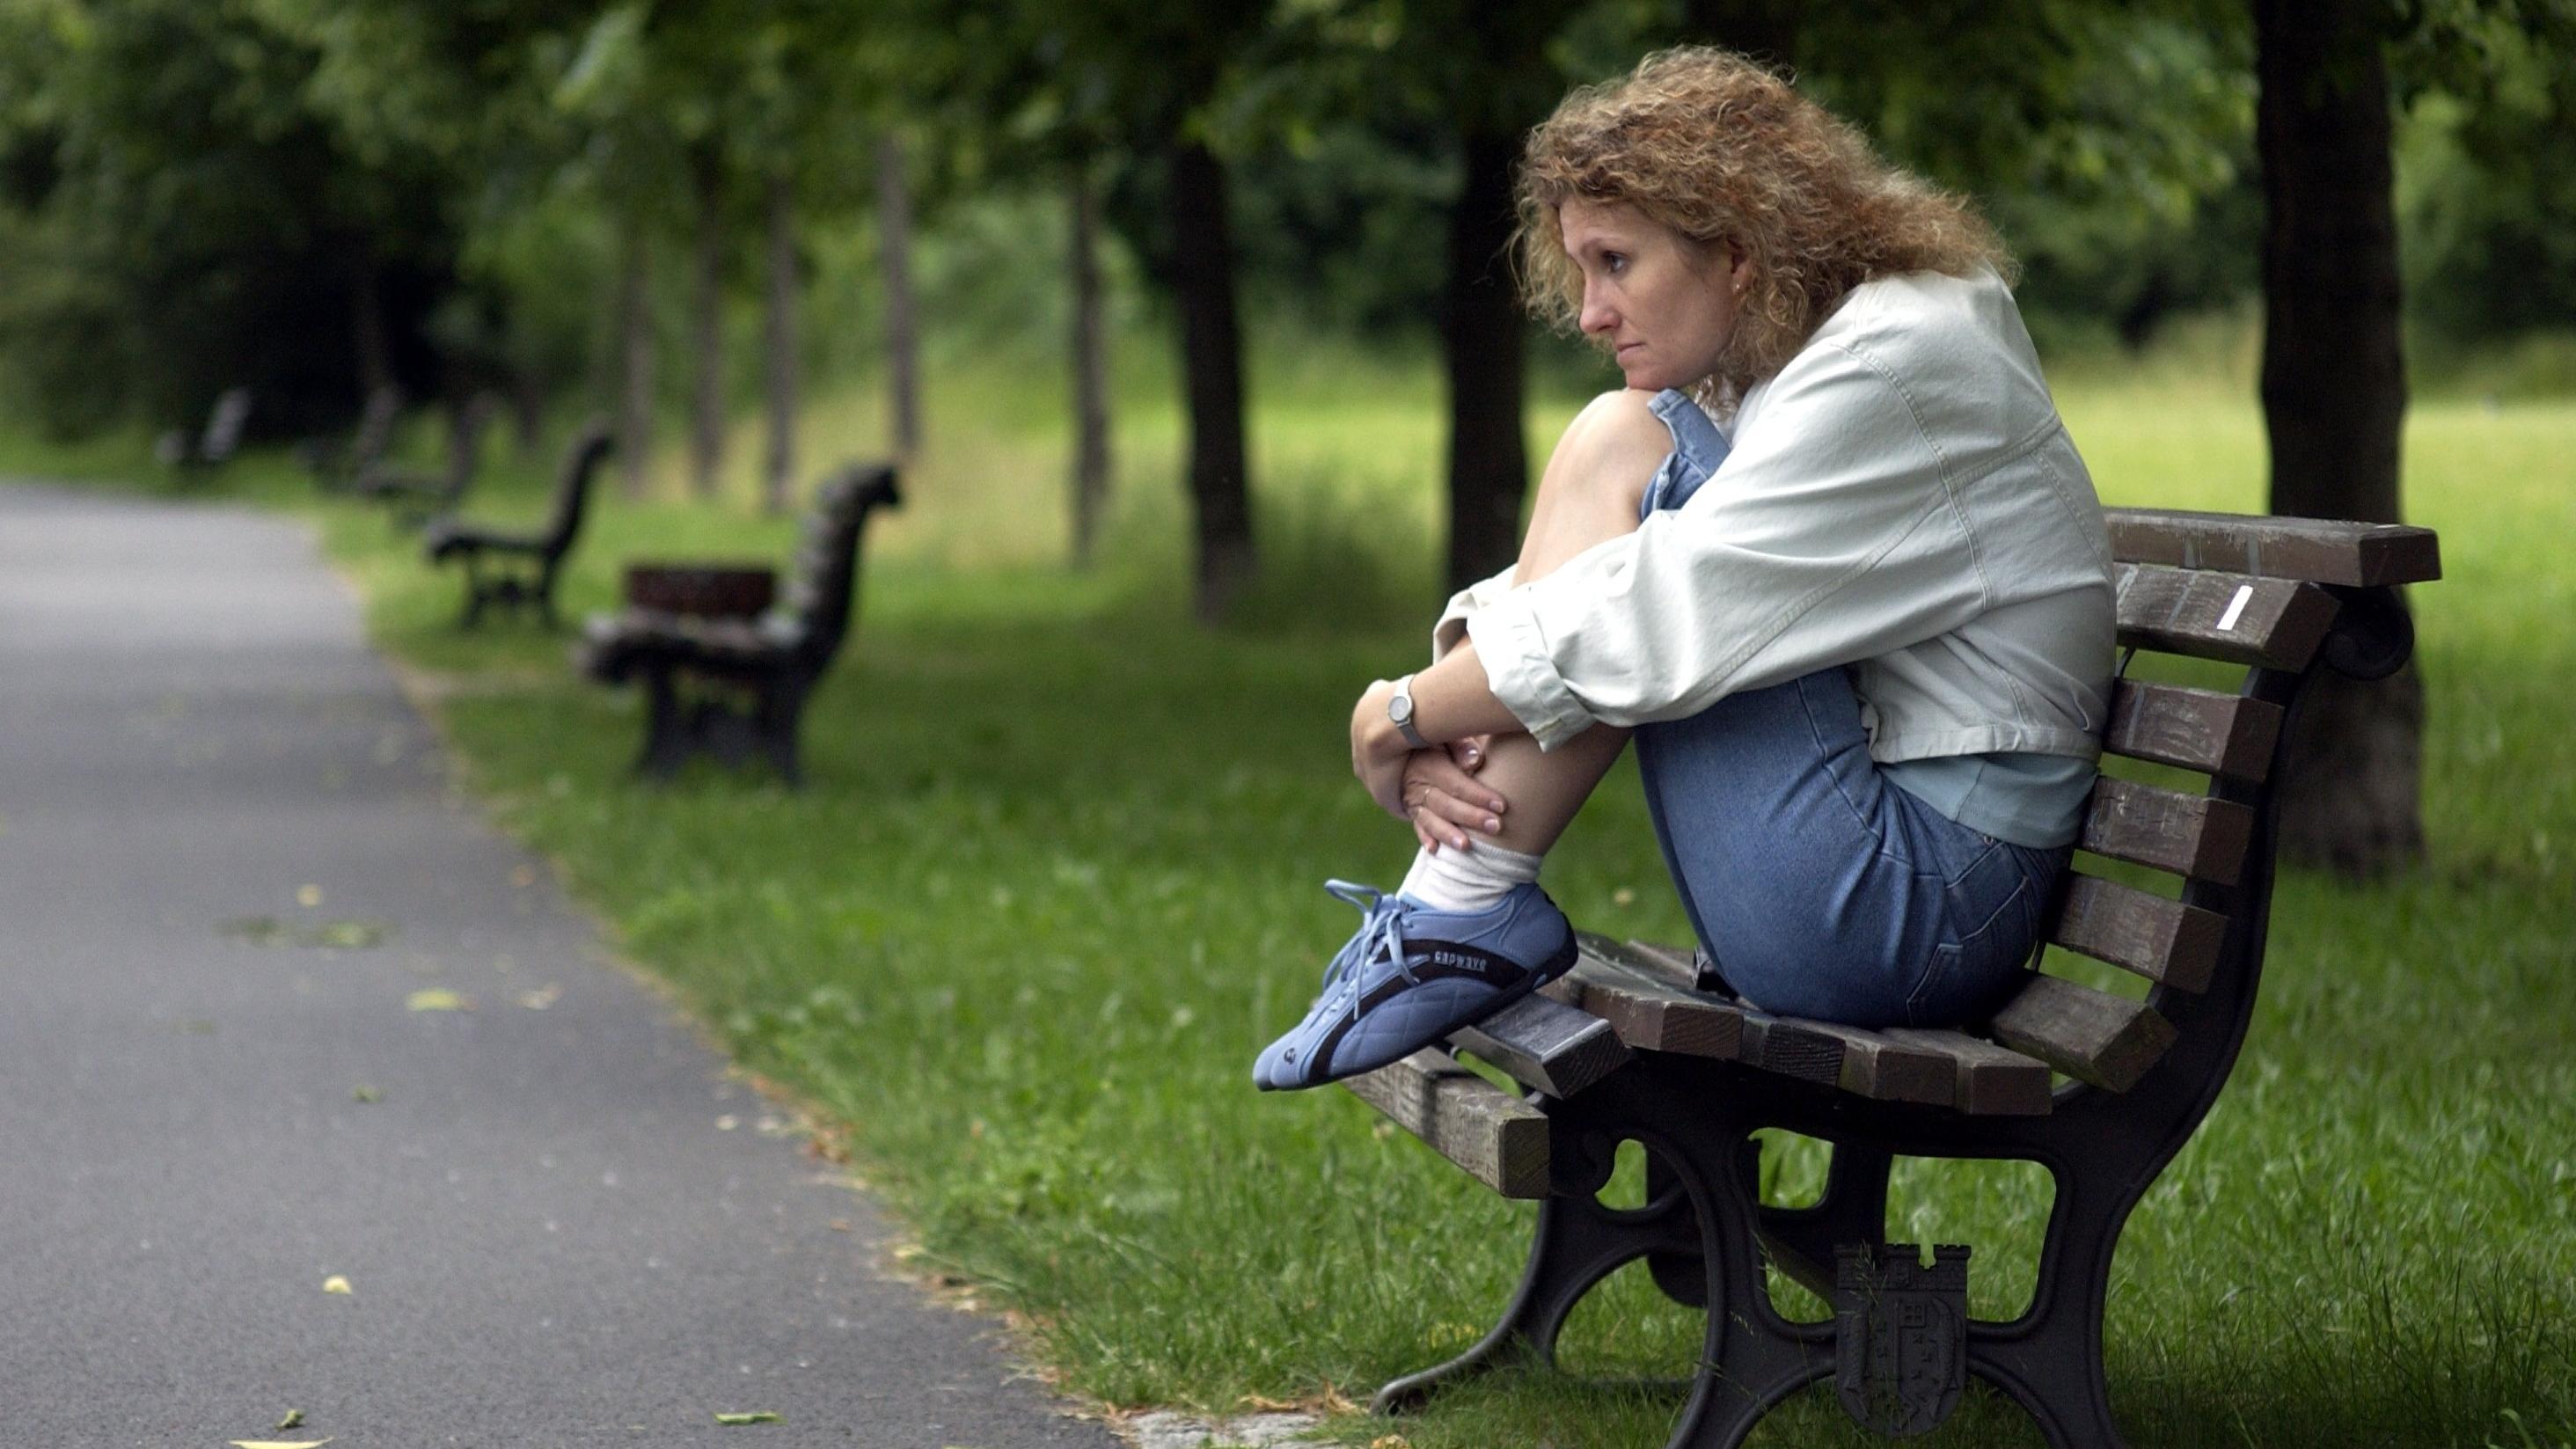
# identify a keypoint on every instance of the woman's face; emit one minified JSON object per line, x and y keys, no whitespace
{"x":1663,"y":303}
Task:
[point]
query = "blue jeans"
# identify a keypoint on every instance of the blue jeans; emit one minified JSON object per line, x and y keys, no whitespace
{"x":1819,"y":888}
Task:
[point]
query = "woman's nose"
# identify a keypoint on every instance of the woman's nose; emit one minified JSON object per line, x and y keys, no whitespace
{"x":1597,"y":314}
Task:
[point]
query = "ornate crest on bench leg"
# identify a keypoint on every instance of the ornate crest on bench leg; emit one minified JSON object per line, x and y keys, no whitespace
{"x":1900,"y":1335}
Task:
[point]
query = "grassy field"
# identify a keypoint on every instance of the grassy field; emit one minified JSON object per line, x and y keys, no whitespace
{"x":1056,"y":879}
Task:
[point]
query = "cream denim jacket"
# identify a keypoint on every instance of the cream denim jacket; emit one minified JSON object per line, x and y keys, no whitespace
{"x":1900,"y":498}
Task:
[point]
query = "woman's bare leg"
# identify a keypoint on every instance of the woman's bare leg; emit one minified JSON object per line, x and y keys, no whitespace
{"x":1589,"y":494}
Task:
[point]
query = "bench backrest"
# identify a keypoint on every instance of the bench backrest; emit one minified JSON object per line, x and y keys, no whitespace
{"x":224,"y":425}
{"x":466,"y":427}
{"x":822,"y":580}
{"x":375,"y":428}
{"x":590,"y":448}
{"x":2280,"y":597}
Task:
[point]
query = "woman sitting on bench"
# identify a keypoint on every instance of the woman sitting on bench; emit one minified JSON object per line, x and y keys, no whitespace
{"x":1829,"y":558}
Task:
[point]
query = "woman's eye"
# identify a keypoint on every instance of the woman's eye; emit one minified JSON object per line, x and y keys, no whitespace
{"x":1614,"y":262}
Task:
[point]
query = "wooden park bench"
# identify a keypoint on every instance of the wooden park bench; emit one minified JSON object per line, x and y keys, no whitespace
{"x":2096,"y":1087}
{"x":516,"y":569}
{"x":213,"y":447}
{"x":733,"y":685}
{"x":338,"y":465}
{"x":416,"y":497}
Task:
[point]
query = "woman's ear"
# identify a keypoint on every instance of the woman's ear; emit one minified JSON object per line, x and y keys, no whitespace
{"x":1739,"y":267}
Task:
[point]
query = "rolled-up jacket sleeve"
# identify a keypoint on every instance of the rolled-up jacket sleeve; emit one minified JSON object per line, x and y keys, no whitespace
{"x":1829,"y":535}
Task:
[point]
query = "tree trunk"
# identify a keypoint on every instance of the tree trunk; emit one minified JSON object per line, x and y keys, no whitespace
{"x":1090,"y":372}
{"x":2334,"y":399}
{"x":1212,"y":359}
{"x":1766,"y":30}
{"x":635,"y":359}
{"x":706,"y":329}
{"x":778,"y":469}
{"x":367,"y":327}
{"x":894,"y":241}
{"x":1488,"y":452}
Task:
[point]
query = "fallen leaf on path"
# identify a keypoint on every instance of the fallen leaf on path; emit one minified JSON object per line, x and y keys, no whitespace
{"x":308,"y":896}
{"x":541,"y":998}
{"x":344,"y":935}
{"x":341,"y":935}
{"x":762,"y":1416}
{"x":294,"y":1419}
{"x":437,"y":998}
{"x":258,"y":930}
{"x":337,"y":1284}
{"x":362,"y":1093}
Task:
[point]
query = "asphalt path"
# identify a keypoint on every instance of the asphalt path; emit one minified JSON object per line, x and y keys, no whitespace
{"x":230,"y":863}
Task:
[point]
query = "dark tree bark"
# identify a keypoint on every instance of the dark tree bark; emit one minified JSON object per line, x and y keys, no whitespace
{"x":635,"y":358}
{"x":1766,"y":30}
{"x":706,"y":328}
{"x":1488,"y":450}
{"x":1090,"y":370}
{"x":894,"y":240}
{"x":778,"y":467}
{"x":1212,"y":359}
{"x":2334,"y":399}
{"x":367,"y":326}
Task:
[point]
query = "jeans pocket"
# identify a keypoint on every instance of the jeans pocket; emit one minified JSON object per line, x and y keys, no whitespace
{"x":1966,"y":976}
{"x":1922,"y":1006}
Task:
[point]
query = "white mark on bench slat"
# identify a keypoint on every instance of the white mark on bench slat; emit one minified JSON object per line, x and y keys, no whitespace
{"x":2235,"y":608}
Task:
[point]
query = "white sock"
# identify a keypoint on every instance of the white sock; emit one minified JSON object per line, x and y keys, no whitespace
{"x":1468,"y":880}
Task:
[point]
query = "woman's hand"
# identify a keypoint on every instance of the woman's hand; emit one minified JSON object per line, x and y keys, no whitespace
{"x":1378,"y":750}
{"x":1443,"y":798}
{"x":1434,"y":790}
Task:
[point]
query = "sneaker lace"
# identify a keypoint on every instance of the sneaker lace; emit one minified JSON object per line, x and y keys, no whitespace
{"x":1381,"y":931}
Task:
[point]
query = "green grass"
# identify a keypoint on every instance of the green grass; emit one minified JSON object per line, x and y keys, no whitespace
{"x":1055,"y":881}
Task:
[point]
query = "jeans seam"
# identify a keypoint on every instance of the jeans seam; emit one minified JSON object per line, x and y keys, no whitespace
{"x":1953,"y":952}
{"x":1807,"y":711}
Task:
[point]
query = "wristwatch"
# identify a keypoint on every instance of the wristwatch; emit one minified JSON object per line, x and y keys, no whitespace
{"x":1399,"y":712}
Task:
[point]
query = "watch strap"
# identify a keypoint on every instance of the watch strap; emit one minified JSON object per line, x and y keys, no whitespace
{"x":1399,"y":710}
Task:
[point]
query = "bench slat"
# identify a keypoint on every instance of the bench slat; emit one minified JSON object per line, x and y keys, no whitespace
{"x":1635,"y":981}
{"x":2089,"y":1035}
{"x":1646,"y":1011}
{"x":2195,"y":729}
{"x":1678,"y":965}
{"x":2187,"y":834}
{"x":2159,"y":939}
{"x":1878,"y":1066}
{"x":1496,"y":1138}
{"x":1544,"y":1043}
{"x":2276,"y":623}
{"x":2318,"y":550}
{"x":1990,"y":1081}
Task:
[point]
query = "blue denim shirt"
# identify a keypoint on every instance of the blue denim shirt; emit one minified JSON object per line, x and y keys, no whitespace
{"x":2027,"y":799}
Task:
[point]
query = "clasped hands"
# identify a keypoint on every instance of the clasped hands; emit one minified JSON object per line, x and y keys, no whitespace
{"x":1435,"y":790}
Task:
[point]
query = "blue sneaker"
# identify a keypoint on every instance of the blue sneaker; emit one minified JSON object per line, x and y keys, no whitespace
{"x":1411,"y":976}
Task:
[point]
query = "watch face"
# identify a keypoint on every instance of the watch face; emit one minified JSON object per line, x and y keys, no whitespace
{"x":1400,"y":708}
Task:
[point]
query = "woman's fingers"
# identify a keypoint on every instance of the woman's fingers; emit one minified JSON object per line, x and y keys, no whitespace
{"x":1436,"y":770}
{"x":1469,"y":754}
{"x":1449,"y":817}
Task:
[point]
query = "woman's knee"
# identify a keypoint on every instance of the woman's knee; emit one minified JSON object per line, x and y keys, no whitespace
{"x":1595,"y":480}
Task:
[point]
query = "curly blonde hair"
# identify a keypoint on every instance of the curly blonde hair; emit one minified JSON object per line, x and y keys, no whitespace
{"x":1722,"y":150}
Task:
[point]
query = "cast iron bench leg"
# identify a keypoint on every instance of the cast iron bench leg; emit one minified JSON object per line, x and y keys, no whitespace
{"x":780,"y":704}
{"x":2050,"y":1360}
{"x":1578,"y":1243}
{"x":668,"y":736}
